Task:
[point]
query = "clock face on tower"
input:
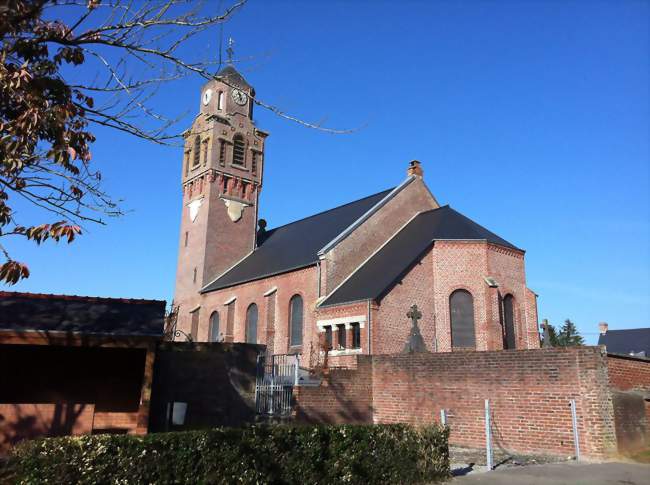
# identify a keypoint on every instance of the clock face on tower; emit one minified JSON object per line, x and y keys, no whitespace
{"x":239,"y":97}
{"x":206,"y":96}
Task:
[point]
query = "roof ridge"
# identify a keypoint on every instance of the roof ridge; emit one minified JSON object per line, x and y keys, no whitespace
{"x":75,"y":297}
{"x":329,"y":210}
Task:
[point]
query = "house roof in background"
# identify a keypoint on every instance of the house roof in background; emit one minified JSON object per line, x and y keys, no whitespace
{"x":24,"y":312}
{"x":294,"y":245}
{"x":388,"y":264}
{"x":628,"y":342}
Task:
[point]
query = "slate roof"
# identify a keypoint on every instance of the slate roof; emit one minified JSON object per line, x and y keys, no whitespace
{"x":631,"y":341}
{"x":386,"y":266}
{"x":81,"y":314}
{"x":233,"y":77}
{"x":295,"y":245}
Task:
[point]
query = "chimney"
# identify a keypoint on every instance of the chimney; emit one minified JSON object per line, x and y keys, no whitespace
{"x":415,"y":169}
{"x":602,"y":327}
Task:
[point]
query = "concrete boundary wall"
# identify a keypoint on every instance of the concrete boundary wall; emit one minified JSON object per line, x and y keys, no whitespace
{"x":529,"y":392}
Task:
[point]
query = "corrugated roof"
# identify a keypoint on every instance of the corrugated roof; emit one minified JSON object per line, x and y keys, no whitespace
{"x":630,"y":341}
{"x":23,"y":312}
{"x":386,"y":266}
{"x":295,"y":245}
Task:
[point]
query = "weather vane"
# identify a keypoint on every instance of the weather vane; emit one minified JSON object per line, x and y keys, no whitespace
{"x":230,"y":51}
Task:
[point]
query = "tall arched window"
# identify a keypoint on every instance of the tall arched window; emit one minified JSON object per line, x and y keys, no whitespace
{"x":197,"y":151}
{"x":251,"y":324}
{"x":461,"y":308}
{"x":295,"y":320}
{"x":214,"y":328}
{"x":509,"y":323}
{"x":238,"y":150}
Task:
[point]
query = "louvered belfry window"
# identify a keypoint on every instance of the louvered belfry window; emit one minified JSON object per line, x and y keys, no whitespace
{"x":197,"y":151}
{"x":238,"y":150}
{"x":461,"y":306}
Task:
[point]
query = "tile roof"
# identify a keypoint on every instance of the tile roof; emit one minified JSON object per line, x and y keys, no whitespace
{"x":395,"y":258}
{"x":295,"y":245}
{"x":628,"y":342}
{"x":80,"y":314}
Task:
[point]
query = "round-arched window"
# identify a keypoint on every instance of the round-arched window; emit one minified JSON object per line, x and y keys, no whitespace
{"x":509,"y":341}
{"x":251,"y":324}
{"x":461,"y":308}
{"x":215,"y":336}
{"x":295,"y":320}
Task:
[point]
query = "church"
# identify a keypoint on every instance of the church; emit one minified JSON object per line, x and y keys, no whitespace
{"x":345,"y":277}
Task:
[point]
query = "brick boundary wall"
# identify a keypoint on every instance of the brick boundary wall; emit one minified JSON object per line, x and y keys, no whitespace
{"x":529,"y":392}
{"x":626,"y":372}
{"x":629,"y":380}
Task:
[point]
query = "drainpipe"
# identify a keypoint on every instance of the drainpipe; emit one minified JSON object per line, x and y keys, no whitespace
{"x":368,"y":323}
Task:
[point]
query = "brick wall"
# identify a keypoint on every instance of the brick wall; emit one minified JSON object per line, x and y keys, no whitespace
{"x":626,"y":373}
{"x":629,"y":379}
{"x":216,"y":380}
{"x":20,"y":421}
{"x":303,"y":282}
{"x":345,"y":398}
{"x":349,"y":253}
{"x":529,"y":392}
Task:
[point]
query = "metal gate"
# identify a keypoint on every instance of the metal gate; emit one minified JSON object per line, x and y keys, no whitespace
{"x":276,"y":376}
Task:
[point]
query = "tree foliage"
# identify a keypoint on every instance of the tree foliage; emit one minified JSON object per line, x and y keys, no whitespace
{"x":567,"y":336}
{"x":70,"y":66}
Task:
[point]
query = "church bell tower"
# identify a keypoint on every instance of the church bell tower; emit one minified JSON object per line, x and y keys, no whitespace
{"x":222,"y":171}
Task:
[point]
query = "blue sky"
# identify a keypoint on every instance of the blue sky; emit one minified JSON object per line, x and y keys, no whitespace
{"x":532,"y":118}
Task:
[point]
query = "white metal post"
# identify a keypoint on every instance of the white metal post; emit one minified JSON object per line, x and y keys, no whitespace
{"x":443,"y":417}
{"x":488,"y":436}
{"x":574,"y":422}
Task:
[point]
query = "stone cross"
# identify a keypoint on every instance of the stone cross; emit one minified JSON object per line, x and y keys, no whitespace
{"x":415,"y":342}
{"x":414,"y":314}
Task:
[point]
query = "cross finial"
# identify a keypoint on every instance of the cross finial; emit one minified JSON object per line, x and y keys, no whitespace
{"x":414,"y":314}
{"x":229,"y":50}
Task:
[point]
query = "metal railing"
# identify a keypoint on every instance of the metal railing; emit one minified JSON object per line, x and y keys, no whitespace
{"x":276,"y":376}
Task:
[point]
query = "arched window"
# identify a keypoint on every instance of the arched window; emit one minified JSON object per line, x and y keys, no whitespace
{"x":251,"y":324}
{"x":238,"y":150}
{"x":509,"y":323}
{"x":220,"y":100}
{"x":461,"y":309}
{"x":295,"y":320}
{"x":197,"y":151}
{"x":214,"y":328}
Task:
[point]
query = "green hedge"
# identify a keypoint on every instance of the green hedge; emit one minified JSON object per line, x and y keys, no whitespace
{"x":252,"y":455}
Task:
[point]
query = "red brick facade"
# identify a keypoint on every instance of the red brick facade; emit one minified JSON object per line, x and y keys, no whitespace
{"x":529,"y":393}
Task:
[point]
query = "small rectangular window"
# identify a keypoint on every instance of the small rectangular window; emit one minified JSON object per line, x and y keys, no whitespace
{"x":356,"y":336}
{"x":328,"y":337}
{"x":194,"y":276}
{"x":341,"y":336}
{"x":187,"y":236}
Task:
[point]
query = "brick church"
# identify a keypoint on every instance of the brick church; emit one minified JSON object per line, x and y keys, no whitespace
{"x":346,"y":276}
